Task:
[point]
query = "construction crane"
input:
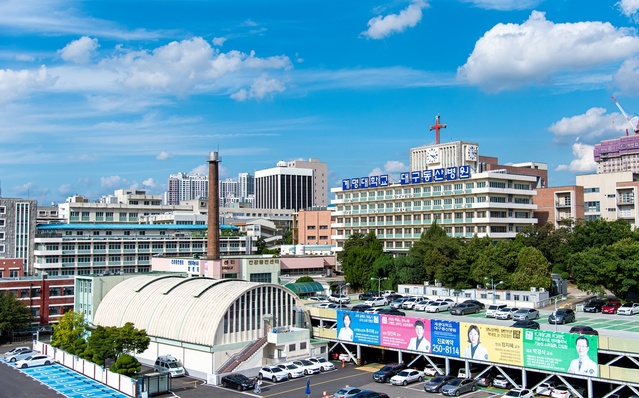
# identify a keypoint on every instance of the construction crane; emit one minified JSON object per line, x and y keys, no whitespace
{"x":633,"y":122}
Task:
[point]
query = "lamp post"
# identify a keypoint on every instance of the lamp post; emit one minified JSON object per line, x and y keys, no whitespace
{"x":379,"y":284}
{"x":493,"y":285}
{"x":562,"y":298}
{"x":340,"y":292}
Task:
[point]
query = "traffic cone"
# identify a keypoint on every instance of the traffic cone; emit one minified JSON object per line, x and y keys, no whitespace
{"x":343,"y":364}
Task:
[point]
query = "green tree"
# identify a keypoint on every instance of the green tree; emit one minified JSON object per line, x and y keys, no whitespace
{"x":305,"y":278}
{"x":126,"y":365}
{"x":532,"y":270}
{"x":14,"y":315}
{"x":436,"y":250}
{"x":409,"y":269}
{"x":359,"y":253}
{"x":383,"y":267}
{"x":71,"y":327}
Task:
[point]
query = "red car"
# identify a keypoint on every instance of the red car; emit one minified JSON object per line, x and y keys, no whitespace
{"x":610,"y":308}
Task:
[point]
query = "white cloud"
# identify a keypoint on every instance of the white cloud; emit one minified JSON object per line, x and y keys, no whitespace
{"x":629,"y":8}
{"x":384,"y":26}
{"x":164,"y":155}
{"x":627,"y":77}
{"x":262,"y":87}
{"x":149,"y":183}
{"x":590,"y":126}
{"x":219,"y":41}
{"x":505,"y":5}
{"x":113,"y":182}
{"x":584,"y":159}
{"x":512,"y":55}
{"x":79,"y":51}
{"x":392,"y":168}
{"x":14,"y":84}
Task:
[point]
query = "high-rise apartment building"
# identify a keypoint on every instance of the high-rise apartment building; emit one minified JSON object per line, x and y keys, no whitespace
{"x":619,"y":154}
{"x":228,"y":192}
{"x":245,"y":186}
{"x":320,"y":179}
{"x":182,"y":186}
{"x":283,"y":187}
{"x":17,"y":230}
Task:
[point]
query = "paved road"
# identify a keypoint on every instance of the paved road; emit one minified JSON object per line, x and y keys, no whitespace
{"x":16,"y":384}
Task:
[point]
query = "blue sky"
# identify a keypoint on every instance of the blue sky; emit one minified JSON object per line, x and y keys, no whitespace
{"x":103,"y":95}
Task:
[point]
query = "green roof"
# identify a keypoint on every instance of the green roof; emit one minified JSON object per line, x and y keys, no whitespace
{"x":305,"y":287}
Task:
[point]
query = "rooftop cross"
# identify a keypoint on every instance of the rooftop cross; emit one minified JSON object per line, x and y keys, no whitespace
{"x":436,"y":127}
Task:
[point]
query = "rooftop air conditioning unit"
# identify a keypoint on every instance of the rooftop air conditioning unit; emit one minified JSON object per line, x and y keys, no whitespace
{"x":541,"y":289}
{"x":533,"y":289}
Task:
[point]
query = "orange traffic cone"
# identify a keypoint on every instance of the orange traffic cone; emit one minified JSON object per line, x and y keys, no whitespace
{"x":343,"y":364}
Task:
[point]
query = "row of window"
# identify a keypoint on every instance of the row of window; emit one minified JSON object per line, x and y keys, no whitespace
{"x":469,"y":216}
{"x":436,"y":188}
{"x":435,"y":202}
{"x":97,"y":270}
{"x":314,"y":227}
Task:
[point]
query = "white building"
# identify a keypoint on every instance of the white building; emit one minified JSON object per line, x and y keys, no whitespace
{"x":611,"y":196}
{"x":284,"y":187}
{"x":182,"y":186}
{"x":18,"y":230}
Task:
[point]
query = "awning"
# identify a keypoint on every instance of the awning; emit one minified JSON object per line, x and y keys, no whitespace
{"x":305,"y":287}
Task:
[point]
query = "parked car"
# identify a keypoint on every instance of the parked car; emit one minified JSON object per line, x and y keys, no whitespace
{"x":526,"y":324}
{"x":387,"y":371}
{"x":526,"y":313}
{"x":458,"y":386}
{"x":308,"y":367}
{"x":406,"y":377}
{"x":318,"y":299}
{"x":477,"y":303}
{"x":20,"y":355}
{"x":628,"y":309}
{"x":368,"y":294}
{"x":45,"y":330}
{"x":387,"y":293}
{"x":397,"y":303}
{"x":375,"y":310}
{"x":593,"y":306}
{"x":437,"y":306}
{"x":342,"y":299}
{"x":376,"y":301}
{"x":273,"y":373}
{"x":464,"y":308}
{"x":486,"y":379}
{"x":360,"y":307}
{"x":500,"y":381}
{"x":238,"y":382}
{"x":546,"y":388}
{"x":347,"y":392}
{"x":436,"y":384}
{"x":35,"y":360}
{"x":562,"y":391}
{"x":391,"y":311}
{"x":421,"y":305}
{"x":324,"y":364}
{"x":370,"y":394}
{"x":610,"y":307}
{"x":293,"y":371}
{"x":562,"y":316}
{"x":519,"y":393}
{"x":493,"y":308}
{"x":581,"y":329}
{"x":409,"y":302}
{"x":430,"y":370}
{"x":16,"y":350}
{"x":506,"y":313}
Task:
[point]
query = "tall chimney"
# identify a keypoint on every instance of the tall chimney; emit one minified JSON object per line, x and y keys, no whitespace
{"x":213,"y":238}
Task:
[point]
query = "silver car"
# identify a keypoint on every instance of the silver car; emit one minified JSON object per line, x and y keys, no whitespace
{"x":20,"y":355}
{"x":525,"y":314}
{"x":458,"y":386}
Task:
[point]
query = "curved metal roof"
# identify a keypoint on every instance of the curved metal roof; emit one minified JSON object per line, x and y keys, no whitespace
{"x":172,"y":307}
{"x":305,"y":287}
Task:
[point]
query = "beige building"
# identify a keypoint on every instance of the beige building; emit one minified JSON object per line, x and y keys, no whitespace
{"x":610,"y":196}
{"x":320,"y":178}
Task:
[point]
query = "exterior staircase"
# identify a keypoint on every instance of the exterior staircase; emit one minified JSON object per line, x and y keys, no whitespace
{"x":248,"y":351}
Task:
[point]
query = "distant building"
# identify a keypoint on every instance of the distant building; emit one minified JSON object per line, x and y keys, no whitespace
{"x":313,"y":227}
{"x":559,"y":205}
{"x":611,"y":196}
{"x":616,"y":155}
{"x":228,"y":192}
{"x":182,"y":186}
{"x":284,"y":187}
{"x":245,"y":187}
{"x":17,"y":230}
{"x":320,"y":178}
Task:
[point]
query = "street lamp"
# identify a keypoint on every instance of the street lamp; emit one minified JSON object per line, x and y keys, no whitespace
{"x":340,"y":292}
{"x":494,"y":285}
{"x":562,"y":298}
{"x":379,"y":284}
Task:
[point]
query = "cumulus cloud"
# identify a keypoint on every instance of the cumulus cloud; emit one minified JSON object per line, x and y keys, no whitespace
{"x":392,"y":168}
{"x":591,"y":126}
{"x":384,"y":26}
{"x":164,"y":155}
{"x":627,"y":77}
{"x":261,"y":88}
{"x":629,"y":8}
{"x":14,"y":84}
{"x":584,"y":159}
{"x":79,"y":51}
{"x":512,"y":55}
{"x":149,"y":183}
{"x":219,"y":41}
{"x":113,"y":182}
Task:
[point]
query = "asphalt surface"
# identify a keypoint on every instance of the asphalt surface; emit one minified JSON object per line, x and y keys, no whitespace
{"x":16,"y":384}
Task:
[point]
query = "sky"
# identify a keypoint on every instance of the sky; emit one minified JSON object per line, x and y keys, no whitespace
{"x":102,"y":95}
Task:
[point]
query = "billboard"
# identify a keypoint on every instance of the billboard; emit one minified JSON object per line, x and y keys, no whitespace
{"x":561,"y":352}
{"x":358,"y":327}
{"x":492,"y":343}
{"x":445,"y":337}
{"x":405,"y":333}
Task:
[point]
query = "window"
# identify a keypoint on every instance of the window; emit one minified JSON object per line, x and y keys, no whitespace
{"x":591,"y":190}
{"x":3,"y":210}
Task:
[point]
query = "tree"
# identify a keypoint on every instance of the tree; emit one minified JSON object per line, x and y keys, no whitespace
{"x":111,"y":342}
{"x":358,"y":255}
{"x":71,"y":327}
{"x":305,"y":278}
{"x":126,"y":365}
{"x":408,"y":269}
{"x":532,"y":270}
{"x":14,"y":315}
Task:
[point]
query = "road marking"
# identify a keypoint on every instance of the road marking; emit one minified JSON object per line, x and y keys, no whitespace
{"x":303,"y":388}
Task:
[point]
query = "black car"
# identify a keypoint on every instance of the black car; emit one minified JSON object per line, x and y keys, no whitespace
{"x":526,"y":324}
{"x":238,"y":381}
{"x":477,"y":303}
{"x":465,"y":308}
{"x":436,"y":383}
{"x":384,"y":374}
{"x":360,"y":307}
{"x":368,"y":294}
{"x":581,"y":329}
{"x":594,"y":306}
{"x":370,"y":394}
{"x":562,"y":316}
{"x":391,"y":311}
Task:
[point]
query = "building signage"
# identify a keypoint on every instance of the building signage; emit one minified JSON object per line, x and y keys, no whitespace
{"x":561,"y":352}
{"x":408,"y":178}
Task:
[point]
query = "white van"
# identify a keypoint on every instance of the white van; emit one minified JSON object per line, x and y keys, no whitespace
{"x":168,"y":363}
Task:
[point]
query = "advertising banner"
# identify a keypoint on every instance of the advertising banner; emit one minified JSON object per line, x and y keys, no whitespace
{"x":406,"y":333}
{"x":561,"y":352}
{"x":491,"y":343}
{"x":358,"y":327}
{"x":445,"y":337}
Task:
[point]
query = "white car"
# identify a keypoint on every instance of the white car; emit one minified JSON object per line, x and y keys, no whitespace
{"x":324,"y":364}
{"x":35,"y":360}
{"x":406,"y":377}
{"x":18,"y":356}
{"x":273,"y":373}
{"x":409,"y":303}
{"x":318,"y":299}
{"x":518,"y":393}
{"x":421,"y":305}
{"x":309,"y":367}
{"x":438,"y":306}
{"x":546,"y":388}
{"x":506,"y":313}
{"x":373,"y":310}
{"x":376,"y":301}
{"x":563,"y":391}
{"x":628,"y":309}
{"x":292,"y":371}
{"x":493,"y":308}
{"x":431,"y":371}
